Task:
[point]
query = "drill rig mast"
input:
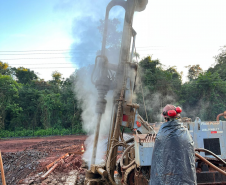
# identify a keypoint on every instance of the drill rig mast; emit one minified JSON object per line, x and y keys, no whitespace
{"x":125,"y":113}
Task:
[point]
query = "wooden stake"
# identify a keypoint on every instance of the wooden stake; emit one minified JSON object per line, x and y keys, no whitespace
{"x":2,"y":170}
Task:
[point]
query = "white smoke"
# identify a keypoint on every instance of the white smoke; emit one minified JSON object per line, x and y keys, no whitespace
{"x":153,"y":102}
{"x":87,"y":93}
{"x":87,"y":41}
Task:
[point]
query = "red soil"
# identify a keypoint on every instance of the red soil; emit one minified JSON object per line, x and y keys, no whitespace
{"x":27,"y":157}
{"x":15,"y":145}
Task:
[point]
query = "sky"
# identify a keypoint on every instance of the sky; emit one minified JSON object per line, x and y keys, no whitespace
{"x":62,"y":35}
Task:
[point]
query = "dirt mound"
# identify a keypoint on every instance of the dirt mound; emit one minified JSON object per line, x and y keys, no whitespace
{"x":68,"y":171}
{"x":19,"y":165}
{"x":27,"y":165}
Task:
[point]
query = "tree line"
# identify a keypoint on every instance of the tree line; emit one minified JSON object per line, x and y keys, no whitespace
{"x":32,"y":106}
{"x":203,"y":95}
{"x":30,"y":103}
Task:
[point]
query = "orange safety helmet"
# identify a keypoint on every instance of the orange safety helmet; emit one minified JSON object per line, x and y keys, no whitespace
{"x":170,"y":111}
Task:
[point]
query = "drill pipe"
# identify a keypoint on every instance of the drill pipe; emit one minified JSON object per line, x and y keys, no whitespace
{"x":96,"y":139}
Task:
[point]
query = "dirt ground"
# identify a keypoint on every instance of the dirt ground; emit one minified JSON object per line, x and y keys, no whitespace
{"x":16,"y":145}
{"x":25,"y":160}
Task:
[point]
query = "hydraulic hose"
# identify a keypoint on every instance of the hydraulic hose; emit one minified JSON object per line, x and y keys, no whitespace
{"x":121,"y":161}
{"x":213,"y":154}
{"x":210,"y":164}
{"x":108,"y":163}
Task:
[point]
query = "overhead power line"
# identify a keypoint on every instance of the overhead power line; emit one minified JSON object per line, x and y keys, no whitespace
{"x":65,"y":50}
{"x":44,"y":64}
{"x":53,"y":68}
{"x":46,"y":53}
{"x":51,"y":54}
{"x":33,"y":58}
{"x":42,"y":50}
{"x":69,"y":52}
{"x":151,"y":46}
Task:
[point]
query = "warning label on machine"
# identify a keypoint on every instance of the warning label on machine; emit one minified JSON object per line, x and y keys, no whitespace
{"x":212,"y":129}
{"x":210,"y":123}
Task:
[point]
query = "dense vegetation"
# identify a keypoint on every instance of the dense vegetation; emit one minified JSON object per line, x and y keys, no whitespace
{"x":203,"y":95}
{"x":32,"y":106}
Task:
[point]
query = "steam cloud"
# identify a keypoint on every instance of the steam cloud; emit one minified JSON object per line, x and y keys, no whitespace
{"x":87,"y":43}
{"x":87,"y":39}
{"x":154,"y":102}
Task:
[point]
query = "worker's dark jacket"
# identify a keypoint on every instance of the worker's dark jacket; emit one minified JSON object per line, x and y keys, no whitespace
{"x":173,"y":159}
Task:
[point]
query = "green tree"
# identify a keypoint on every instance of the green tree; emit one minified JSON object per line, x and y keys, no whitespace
{"x":4,"y":68}
{"x":220,"y":65}
{"x":160,"y":86}
{"x":29,"y":102}
{"x":57,"y":77}
{"x":50,"y":110}
{"x":204,"y":97}
{"x":71,"y":111}
{"x":25,"y":75}
{"x":9,"y":91}
{"x":194,"y":71}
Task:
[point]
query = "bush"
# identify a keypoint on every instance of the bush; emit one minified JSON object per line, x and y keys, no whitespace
{"x":40,"y":132}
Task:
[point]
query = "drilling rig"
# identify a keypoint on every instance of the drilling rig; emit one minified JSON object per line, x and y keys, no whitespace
{"x":120,"y":154}
{"x":131,"y":158}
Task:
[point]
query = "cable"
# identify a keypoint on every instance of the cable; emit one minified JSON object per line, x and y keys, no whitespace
{"x":35,"y":58}
{"x":53,"y":67}
{"x":64,"y":52}
{"x":43,"y":64}
{"x":149,"y":49}
{"x":69,"y":52}
{"x":150,"y":46}
{"x":45,"y":50}
{"x":68,"y":49}
{"x":142,"y":90}
{"x":122,"y":157}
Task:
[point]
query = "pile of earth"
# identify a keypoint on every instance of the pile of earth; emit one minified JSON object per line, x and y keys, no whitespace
{"x":18,"y":165}
{"x":28,"y":161}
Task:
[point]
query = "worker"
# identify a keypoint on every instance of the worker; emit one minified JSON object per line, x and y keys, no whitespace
{"x":173,"y":159}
